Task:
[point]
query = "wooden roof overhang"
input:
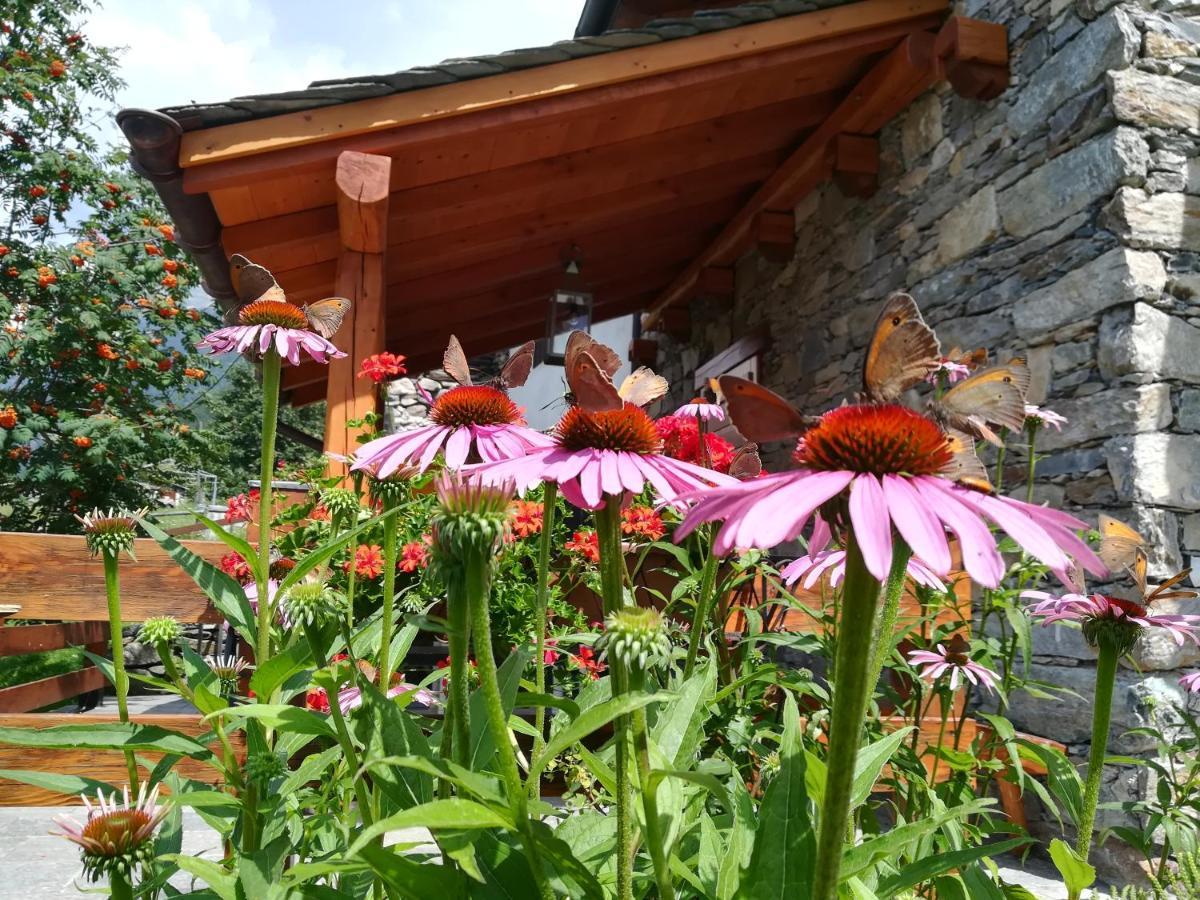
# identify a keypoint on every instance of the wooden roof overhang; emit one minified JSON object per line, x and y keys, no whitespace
{"x":658,"y":162}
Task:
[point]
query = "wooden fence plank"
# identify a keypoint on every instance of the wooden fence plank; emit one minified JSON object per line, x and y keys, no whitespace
{"x":36,"y":694}
{"x":18,"y":639}
{"x":52,"y":576}
{"x":104,"y":765}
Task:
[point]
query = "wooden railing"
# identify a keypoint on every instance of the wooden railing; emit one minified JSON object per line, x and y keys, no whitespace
{"x":53,"y":581}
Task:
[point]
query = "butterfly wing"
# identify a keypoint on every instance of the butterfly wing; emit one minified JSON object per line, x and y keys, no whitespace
{"x":760,"y":414}
{"x":643,"y":387}
{"x":325,"y":317}
{"x":965,"y":467}
{"x":1119,"y":544}
{"x":1164,"y":591}
{"x":252,"y":282}
{"x":590,"y":385}
{"x":516,"y":371}
{"x":993,"y":397}
{"x":454,"y":361}
{"x":582,"y":342}
{"x":902,"y":353}
{"x":746,"y":463}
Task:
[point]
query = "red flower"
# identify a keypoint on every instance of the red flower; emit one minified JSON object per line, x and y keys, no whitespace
{"x":681,"y":440}
{"x":382,"y":366}
{"x":58,"y":68}
{"x":106,"y":352}
{"x":167,"y":232}
{"x":526,"y":518}
{"x":152,"y":250}
{"x":586,"y":544}
{"x":164,"y":364}
{"x":317,"y":700}
{"x":3,"y":250}
{"x":37,"y":190}
{"x":170,"y":281}
{"x":8,"y":417}
{"x":46,"y":276}
{"x":194,"y":373}
{"x":319,"y":513}
{"x":240,"y":507}
{"x":642,"y":521}
{"x":82,"y":441}
{"x":170,"y":265}
{"x":234,"y":565}
{"x":414,"y":555}
{"x":368,"y":561}
{"x":550,"y":655}
{"x":586,"y":660}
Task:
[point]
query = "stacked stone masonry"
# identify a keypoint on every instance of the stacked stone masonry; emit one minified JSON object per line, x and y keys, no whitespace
{"x":1059,"y":223}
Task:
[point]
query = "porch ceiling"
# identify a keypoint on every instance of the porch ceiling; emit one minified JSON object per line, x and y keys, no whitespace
{"x":653,"y":158}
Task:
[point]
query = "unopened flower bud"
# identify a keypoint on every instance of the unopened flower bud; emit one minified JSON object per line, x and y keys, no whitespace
{"x":109,"y":533}
{"x":636,"y":638}
{"x":160,"y":630}
{"x":314,"y":603}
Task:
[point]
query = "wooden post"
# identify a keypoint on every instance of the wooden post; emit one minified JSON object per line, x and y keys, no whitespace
{"x":362,"y":204}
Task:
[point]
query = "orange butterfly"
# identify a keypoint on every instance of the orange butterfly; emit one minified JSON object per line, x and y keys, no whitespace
{"x":514,"y":373}
{"x":254,"y":283}
{"x":760,"y":414}
{"x":994,"y":397}
{"x":902,"y":353}
{"x":590,"y":367}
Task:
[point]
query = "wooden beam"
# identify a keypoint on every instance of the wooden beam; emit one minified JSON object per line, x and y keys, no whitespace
{"x":362,"y":226}
{"x":775,"y":234}
{"x":153,"y":585}
{"x":888,"y":87}
{"x":517,"y":88}
{"x":643,"y":352}
{"x":974,"y":56}
{"x":677,"y":322}
{"x":856,"y":165}
{"x":716,"y":283}
{"x":302,"y":238}
{"x":39,"y":638}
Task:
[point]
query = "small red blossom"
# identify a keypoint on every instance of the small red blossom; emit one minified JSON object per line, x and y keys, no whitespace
{"x":152,"y":250}
{"x":681,"y":440}
{"x":37,"y":190}
{"x":586,"y":544}
{"x":167,"y":231}
{"x":81,"y":440}
{"x":642,"y":522}
{"x":368,"y":561}
{"x":382,"y":366}
{"x":164,"y":365}
{"x":585,"y":659}
{"x":414,"y":555}
{"x":170,"y":265}
{"x":8,"y":417}
{"x":170,"y":281}
{"x":240,"y":507}
{"x":319,"y":513}
{"x":234,"y":565}
{"x":46,"y":276}
{"x":104,"y":351}
{"x":198,"y":374}
{"x":525,"y":519}
{"x":550,"y":655}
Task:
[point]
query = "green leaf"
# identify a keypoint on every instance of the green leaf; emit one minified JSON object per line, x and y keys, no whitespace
{"x":225,"y":593}
{"x":931,"y":866}
{"x":1078,"y":874}
{"x":222,"y":882}
{"x":411,"y":879}
{"x":279,"y":715}
{"x":680,"y":725}
{"x":323,"y":552}
{"x":452,"y":813}
{"x":527,"y":698}
{"x":891,"y":843}
{"x":509,"y":677}
{"x":239,"y":545}
{"x":68,"y":785}
{"x":870,"y":763}
{"x":279,"y":668}
{"x":709,"y":782}
{"x":106,"y":736}
{"x":589,"y":721}
{"x":785,"y":845}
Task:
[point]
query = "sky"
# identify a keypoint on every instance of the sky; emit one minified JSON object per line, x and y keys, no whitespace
{"x":179,"y":51}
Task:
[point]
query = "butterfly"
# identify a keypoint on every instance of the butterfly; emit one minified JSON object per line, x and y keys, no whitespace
{"x":254,"y":283}
{"x":760,"y":414}
{"x":994,"y":397}
{"x":1164,"y":591}
{"x":902,"y":353}
{"x":972,"y":359}
{"x":746,"y":462}
{"x":1119,"y":545}
{"x":965,"y":467}
{"x":590,"y":367}
{"x":514,"y":373}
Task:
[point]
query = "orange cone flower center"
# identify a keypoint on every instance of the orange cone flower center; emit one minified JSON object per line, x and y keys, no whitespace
{"x":474,"y":405}
{"x":118,"y":831}
{"x":272,"y":312}
{"x":628,"y":429}
{"x":881,"y":439}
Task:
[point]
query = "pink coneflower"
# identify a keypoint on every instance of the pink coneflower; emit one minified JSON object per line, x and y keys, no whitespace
{"x":948,"y":369}
{"x":1191,"y":682}
{"x":1096,"y":611}
{"x":819,"y":560}
{"x":267,"y":322}
{"x":702,"y":409}
{"x":604,"y":453}
{"x":117,"y":838}
{"x":870,"y":467}
{"x":469,"y":419}
{"x":1036,"y":417}
{"x":351,"y":698}
{"x":957,"y":661}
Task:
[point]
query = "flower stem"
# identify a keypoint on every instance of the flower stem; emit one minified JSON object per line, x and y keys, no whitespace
{"x":542,"y":601}
{"x":704,"y":602}
{"x":388,"y":613}
{"x":612,"y":591}
{"x":477,"y":588}
{"x":1032,"y":465}
{"x":654,"y":838}
{"x":112,"y":587}
{"x":119,"y":887}
{"x":937,"y":747}
{"x":271,"y":365}
{"x":888,"y":616}
{"x":1000,"y":469}
{"x":860,"y":596}
{"x":457,"y":726}
{"x":1106,"y":676}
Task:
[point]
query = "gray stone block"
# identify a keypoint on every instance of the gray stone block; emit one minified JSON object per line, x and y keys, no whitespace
{"x":1188,"y":418}
{"x":1155,"y":101}
{"x":1158,"y":469}
{"x":1124,"y":410}
{"x":1156,"y":221}
{"x":1150,"y":343}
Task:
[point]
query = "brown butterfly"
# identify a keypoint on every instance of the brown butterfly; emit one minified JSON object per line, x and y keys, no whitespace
{"x":902,"y":353}
{"x":1119,"y":545}
{"x":993,"y":398}
{"x":760,"y":414}
{"x":514,"y":373}
{"x":972,"y":359}
{"x":1164,"y":591}
{"x":253,"y":283}
{"x":746,"y":462}
{"x":965,"y":467}
{"x":590,"y":366}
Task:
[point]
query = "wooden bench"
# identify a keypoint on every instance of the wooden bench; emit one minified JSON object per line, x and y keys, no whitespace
{"x":53,"y":581}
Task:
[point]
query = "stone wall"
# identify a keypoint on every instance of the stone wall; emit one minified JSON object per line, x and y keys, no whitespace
{"x":1060,"y":223}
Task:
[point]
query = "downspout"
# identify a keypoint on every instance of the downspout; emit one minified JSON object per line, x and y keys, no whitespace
{"x":596,"y":17}
{"x":154,"y":144}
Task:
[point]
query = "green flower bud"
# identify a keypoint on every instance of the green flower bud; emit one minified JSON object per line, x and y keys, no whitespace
{"x":112,"y":532}
{"x":342,"y":503}
{"x":160,"y":630}
{"x":262,"y":767}
{"x":228,"y":670}
{"x":472,"y":521}
{"x":314,"y":603}
{"x":636,"y":638}
{"x":388,"y":492}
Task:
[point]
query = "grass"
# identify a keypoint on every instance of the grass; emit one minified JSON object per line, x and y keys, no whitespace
{"x":35,"y":666}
